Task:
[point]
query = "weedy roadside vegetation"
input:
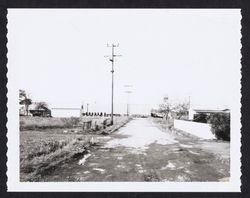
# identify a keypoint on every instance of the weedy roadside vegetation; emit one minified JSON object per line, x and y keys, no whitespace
{"x":45,"y":143}
{"x":33,"y":123}
{"x":220,"y":124}
{"x":41,"y":151}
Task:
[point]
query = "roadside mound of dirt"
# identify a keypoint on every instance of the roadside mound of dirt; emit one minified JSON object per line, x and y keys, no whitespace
{"x":117,"y":125}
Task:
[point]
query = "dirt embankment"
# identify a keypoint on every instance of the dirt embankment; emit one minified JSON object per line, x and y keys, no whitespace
{"x":118,"y":123}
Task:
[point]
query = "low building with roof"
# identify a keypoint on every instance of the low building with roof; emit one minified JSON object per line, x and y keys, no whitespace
{"x":35,"y":110}
{"x":195,"y":111}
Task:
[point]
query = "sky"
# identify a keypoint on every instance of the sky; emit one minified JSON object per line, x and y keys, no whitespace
{"x":57,"y":56}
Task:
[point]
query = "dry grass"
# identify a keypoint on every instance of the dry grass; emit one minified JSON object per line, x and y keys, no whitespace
{"x":44,"y":144}
{"x":42,"y":151}
{"x":31,"y":123}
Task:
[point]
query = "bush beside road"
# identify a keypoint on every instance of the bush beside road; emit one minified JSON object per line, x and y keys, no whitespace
{"x":220,"y":126}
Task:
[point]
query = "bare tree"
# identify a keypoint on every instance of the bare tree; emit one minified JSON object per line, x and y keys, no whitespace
{"x":165,"y":108}
{"x":168,"y":108}
{"x":181,"y":109}
{"x":24,"y":100}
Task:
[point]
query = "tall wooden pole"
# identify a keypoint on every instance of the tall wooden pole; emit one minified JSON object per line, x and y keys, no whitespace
{"x":112,"y":59}
{"x":112,"y":94}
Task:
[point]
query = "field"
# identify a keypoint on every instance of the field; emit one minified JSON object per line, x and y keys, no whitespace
{"x":41,"y":151}
{"x":31,"y":123}
{"x":46,"y":143}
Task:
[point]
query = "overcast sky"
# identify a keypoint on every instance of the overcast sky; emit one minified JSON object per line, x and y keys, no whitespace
{"x":58,"y":55}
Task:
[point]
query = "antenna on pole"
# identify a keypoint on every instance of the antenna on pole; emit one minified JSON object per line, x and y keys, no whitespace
{"x":112,"y":59}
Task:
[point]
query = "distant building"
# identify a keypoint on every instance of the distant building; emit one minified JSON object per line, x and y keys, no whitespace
{"x":193,"y":112}
{"x":42,"y":111}
{"x":155,"y":113}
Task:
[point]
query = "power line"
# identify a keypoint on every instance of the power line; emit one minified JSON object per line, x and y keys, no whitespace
{"x":65,"y":108}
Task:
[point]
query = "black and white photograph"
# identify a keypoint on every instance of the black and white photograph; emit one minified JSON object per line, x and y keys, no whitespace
{"x":124,"y":99}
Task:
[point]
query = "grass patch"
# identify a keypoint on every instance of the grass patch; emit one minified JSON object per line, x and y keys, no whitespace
{"x":41,"y":151}
{"x":32,"y":123}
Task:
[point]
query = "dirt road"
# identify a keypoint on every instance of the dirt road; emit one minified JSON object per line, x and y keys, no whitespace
{"x":141,"y":151}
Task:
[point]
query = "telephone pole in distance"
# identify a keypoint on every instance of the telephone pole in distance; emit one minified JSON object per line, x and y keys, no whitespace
{"x":128,"y":92}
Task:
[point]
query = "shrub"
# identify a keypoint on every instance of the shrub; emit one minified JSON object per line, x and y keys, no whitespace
{"x":220,"y":123}
{"x":201,"y":117}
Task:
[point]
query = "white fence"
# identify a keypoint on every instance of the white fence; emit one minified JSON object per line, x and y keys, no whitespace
{"x":201,"y":130}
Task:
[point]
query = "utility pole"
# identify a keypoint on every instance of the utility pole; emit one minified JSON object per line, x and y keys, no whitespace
{"x":189,"y":102}
{"x":82,"y":109}
{"x":87,"y":107}
{"x":128,"y":109}
{"x":128,"y":92}
{"x":112,"y":59}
